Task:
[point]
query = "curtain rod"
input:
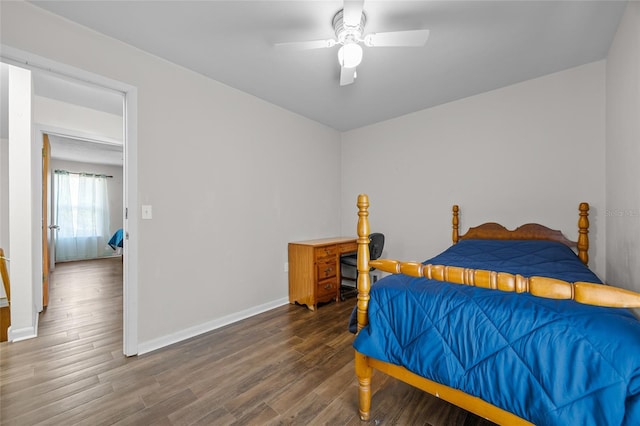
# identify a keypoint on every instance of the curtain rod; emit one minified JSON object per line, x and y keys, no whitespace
{"x":81,"y":173}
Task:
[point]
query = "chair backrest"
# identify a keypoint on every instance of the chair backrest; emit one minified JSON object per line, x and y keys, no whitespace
{"x":376,"y":244}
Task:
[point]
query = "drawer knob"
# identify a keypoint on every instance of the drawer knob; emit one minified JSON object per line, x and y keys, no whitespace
{"x":328,"y":286}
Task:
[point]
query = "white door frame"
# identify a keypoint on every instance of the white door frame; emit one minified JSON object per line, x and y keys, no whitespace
{"x":28,"y":60}
{"x":39,"y":130}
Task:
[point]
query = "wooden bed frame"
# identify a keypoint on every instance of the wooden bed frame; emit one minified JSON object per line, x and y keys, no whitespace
{"x":583,"y":292}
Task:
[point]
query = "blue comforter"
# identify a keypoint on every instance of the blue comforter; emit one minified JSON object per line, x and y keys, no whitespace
{"x":552,"y":362}
{"x":116,"y":239}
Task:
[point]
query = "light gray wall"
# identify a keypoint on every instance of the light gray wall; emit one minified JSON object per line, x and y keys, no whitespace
{"x":530,"y":152}
{"x":231,"y":178}
{"x":623,"y":153}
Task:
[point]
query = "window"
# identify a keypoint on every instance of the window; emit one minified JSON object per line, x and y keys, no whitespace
{"x":82,"y":214}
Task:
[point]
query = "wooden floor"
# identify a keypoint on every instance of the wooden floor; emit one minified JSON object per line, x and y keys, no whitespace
{"x":286,"y":366}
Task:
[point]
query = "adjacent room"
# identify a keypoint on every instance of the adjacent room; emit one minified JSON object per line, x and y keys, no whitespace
{"x":231,"y":143}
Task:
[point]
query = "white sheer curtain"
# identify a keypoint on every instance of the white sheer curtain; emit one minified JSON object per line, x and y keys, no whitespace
{"x":82,"y":213}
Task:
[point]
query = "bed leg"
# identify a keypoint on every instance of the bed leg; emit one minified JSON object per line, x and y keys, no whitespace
{"x":364,"y":373}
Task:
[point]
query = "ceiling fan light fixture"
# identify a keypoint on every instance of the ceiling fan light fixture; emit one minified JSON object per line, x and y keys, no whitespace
{"x":350,"y":55}
{"x":348,"y":25}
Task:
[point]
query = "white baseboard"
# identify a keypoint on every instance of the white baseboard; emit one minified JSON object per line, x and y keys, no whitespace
{"x":24,"y":333}
{"x":160,"y":342}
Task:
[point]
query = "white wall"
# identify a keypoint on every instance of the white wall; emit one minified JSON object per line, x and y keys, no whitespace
{"x":530,"y":152}
{"x":114,"y":185}
{"x":230,"y":177}
{"x":623,"y":153}
{"x":84,"y":121}
{"x":26,"y":272}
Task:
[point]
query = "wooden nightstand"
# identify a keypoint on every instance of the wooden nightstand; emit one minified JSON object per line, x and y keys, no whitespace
{"x":314,"y":269}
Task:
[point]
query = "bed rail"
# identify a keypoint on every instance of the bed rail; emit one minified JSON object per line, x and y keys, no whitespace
{"x":551,"y":288}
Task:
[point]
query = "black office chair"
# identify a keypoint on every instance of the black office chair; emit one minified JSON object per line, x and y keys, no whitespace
{"x":376,"y":244}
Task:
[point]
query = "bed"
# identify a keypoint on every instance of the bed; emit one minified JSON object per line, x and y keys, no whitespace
{"x":509,"y":325}
{"x":117,"y":240}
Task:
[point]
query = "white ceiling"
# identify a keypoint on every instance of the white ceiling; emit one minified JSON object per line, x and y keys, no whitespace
{"x":474,"y":47}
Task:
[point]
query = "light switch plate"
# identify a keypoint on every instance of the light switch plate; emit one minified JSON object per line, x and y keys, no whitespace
{"x":147,"y":212}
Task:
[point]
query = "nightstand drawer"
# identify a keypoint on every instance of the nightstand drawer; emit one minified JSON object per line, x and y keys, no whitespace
{"x":327,"y":288}
{"x":326,"y":269}
{"x":349,"y":248}
{"x":326,"y":252}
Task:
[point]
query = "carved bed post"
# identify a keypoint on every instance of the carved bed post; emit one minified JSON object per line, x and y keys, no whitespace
{"x":583,"y":236}
{"x":363,"y":370}
{"x":364,"y":280}
{"x":455,"y":221}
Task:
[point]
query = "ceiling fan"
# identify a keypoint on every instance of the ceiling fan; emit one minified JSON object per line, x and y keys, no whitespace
{"x":348,"y":25}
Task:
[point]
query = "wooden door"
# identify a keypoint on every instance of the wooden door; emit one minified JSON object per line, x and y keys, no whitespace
{"x":46,"y":156}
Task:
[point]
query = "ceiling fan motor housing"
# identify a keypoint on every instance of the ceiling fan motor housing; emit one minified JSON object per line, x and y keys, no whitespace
{"x":348,"y":33}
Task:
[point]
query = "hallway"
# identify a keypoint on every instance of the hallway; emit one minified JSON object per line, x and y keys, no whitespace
{"x":79,"y":336}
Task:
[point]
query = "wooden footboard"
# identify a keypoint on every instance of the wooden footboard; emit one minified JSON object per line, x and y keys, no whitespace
{"x":588,"y":293}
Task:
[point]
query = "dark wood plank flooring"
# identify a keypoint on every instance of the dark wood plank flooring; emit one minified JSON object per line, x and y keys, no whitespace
{"x":288,"y":366}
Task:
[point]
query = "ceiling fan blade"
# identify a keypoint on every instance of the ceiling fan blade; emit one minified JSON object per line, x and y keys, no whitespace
{"x":352,"y":12}
{"x":347,"y":76}
{"x":306,"y":45}
{"x":412,"y":38}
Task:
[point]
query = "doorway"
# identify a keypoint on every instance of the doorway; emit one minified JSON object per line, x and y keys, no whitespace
{"x":87,"y":143}
{"x":82,"y":193}
{"x":128,"y":96}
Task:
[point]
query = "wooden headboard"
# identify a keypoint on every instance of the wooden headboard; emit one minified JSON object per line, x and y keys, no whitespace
{"x":530,"y":231}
